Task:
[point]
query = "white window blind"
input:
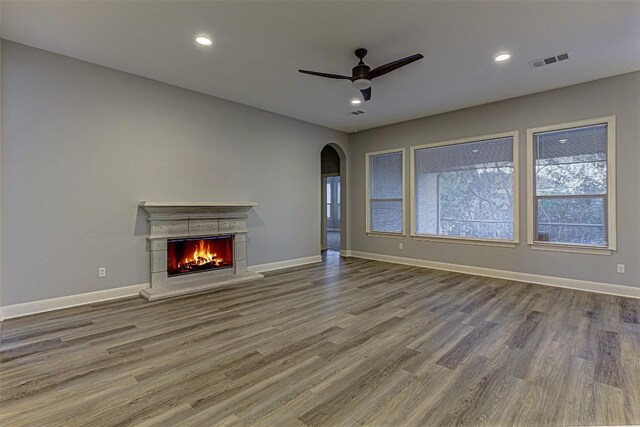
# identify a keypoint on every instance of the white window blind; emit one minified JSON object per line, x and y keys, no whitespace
{"x":385,"y":196}
{"x":465,"y":190}
{"x":571,"y":196}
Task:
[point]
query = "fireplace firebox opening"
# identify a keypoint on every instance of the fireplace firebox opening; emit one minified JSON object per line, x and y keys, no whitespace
{"x":194,"y":255}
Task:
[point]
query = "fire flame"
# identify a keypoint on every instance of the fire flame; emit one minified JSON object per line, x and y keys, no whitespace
{"x":202,"y":255}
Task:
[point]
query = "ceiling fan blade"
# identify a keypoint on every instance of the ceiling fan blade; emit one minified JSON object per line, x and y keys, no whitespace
{"x":366,"y":93}
{"x":331,"y":76}
{"x":387,"y":68}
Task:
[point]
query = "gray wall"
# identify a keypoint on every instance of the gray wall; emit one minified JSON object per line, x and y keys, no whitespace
{"x":0,"y":175}
{"x":618,"y":96}
{"x":83,"y":144}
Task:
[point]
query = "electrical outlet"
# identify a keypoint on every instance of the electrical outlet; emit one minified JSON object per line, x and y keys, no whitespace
{"x":102,"y":272}
{"x":621,"y":268}
{"x":401,"y":245}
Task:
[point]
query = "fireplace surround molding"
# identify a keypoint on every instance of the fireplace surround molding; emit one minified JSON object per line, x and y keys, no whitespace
{"x":183,"y":220}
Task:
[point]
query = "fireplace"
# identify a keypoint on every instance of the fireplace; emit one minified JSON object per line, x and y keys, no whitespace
{"x":196,"y":246}
{"x":194,"y":255}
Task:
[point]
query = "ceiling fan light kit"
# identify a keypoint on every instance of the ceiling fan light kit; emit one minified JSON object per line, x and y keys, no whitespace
{"x":362,"y":74}
{"x":361,"y":84}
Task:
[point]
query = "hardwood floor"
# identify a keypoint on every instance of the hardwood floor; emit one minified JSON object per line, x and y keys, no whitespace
{"x":344,"y":342}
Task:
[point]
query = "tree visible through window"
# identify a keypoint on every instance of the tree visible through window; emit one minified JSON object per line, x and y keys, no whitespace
{"x":570,"y":199}
{"x":465,"y":189}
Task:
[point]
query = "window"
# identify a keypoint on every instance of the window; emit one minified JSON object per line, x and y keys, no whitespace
{"x":385,"y":191}
{"x":466,"y":190}
{"x":328,"y":199}
{"x":571,"y":174}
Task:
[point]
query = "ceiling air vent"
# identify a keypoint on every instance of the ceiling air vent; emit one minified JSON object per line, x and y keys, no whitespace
{"x":548,"y":61}
{"x":357,"y":112}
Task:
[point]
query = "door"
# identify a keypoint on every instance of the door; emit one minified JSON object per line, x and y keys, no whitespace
{"x":333,"y":203}
{"x":332,"y":212}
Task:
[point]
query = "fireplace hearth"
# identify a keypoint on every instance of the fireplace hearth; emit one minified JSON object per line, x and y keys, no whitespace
{"x":196,"y":247}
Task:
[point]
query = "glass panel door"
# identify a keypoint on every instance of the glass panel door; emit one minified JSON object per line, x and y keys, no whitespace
{"x":333,"y":203}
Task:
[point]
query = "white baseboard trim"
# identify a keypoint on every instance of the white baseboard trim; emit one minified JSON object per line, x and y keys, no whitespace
{"x":261,"y":268}
{"x":561,"y":282}
{"x":27,"y":308}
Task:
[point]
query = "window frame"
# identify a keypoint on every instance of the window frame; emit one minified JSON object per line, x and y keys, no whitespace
{"x":609,"y":198}
{"x":470,"y":240}
{"x":368,"y":199}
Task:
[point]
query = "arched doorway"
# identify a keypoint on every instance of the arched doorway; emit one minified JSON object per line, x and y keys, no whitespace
{"x":333,"y":195}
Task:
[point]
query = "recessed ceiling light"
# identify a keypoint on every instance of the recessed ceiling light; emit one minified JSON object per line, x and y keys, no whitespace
{"x":356,"y":101}
{"x":502,"y":57}
{"x":562,"y":141}
{"x":204,"y":41}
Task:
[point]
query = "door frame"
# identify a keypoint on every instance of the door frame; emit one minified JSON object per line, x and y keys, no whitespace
{"x":344,"y":204}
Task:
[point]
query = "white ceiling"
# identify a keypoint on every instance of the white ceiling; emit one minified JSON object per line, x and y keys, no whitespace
{"x":259,"y":46}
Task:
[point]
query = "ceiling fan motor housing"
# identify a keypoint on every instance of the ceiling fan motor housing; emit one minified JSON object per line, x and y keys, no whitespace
{"x":360,"y":71}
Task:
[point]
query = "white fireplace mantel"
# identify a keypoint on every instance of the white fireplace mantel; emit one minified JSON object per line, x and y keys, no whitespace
{"x":178,"y":220}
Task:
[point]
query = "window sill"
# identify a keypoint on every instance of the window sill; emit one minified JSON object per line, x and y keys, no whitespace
{"x":466,"y":241}
{"x":569,"y":248}
{"x":388,"y":235}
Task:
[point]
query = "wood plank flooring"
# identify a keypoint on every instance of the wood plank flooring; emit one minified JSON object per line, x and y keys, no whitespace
{"x":345,"y":342}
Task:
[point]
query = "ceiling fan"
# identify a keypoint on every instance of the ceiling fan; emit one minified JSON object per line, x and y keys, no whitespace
{"x":362,"y":74}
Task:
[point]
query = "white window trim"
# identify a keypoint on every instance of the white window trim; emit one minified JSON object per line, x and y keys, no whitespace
{"x":610,"y":121}
{"x":470,"y":240}
{"x":368,"y":193}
